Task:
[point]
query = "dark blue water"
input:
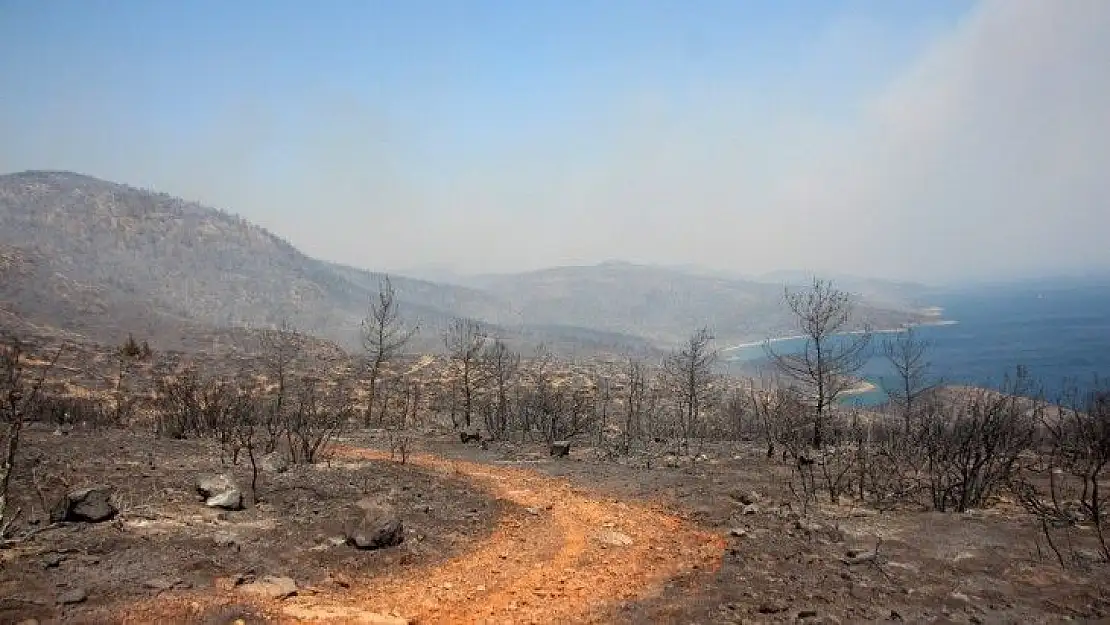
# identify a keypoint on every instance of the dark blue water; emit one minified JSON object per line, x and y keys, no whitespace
{"x":1060,"y":331}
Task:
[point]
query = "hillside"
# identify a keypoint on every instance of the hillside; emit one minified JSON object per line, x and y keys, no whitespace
{"x":35,"y":298}
{"x":102,"y":259}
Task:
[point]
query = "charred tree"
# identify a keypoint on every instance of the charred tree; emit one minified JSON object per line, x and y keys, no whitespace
{"x":464,"y":340}
{"x":384,"y":337}
{"x":831,"y":356}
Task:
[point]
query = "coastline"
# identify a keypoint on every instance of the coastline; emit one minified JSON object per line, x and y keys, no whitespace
{"x":903,"y":328}
{"x":862,"y":387}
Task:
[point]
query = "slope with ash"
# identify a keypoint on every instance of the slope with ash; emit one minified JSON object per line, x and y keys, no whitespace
{"x":146,"y":259}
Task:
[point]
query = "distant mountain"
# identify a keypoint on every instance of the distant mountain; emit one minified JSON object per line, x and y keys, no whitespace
{"x":896,"y":294}
{"x":664,"y":305}
{"x":102,"y":259}
{"x":434,"y":272}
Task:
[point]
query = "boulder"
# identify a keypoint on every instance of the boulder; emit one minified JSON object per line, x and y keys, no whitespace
{"x":208,"y":485}
{"x":560,"y":449}
{"x":220,"y":491}
{"x":87,"y":505}
{"x":374,"y":525}
{"x":227,"y":500}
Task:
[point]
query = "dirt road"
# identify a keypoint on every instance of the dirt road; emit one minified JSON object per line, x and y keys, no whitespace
{"x":569,"y":558}
{"x":560,"y":555}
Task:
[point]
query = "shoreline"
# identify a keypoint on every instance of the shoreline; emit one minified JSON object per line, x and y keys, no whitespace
{"x":861,"y":388}
{"x":779,"y":339}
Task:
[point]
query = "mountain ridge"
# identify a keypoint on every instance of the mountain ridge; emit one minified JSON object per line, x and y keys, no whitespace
{"x":149,"y":259}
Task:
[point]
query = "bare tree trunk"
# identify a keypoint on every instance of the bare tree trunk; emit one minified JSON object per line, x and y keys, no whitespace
{"x":6,"y":469}
{"x":464,"y":340}
{"x":690,"y":373}
{"x":254,"y":472}
{"x":17,"y":399}
{"x":373,"y":397}
{"x":824,"y":366}
{"x":384,"y":337}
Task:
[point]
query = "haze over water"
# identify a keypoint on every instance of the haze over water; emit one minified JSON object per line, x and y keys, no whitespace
{"x":1060,"y":331}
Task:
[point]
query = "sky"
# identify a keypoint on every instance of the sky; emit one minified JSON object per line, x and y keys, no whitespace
{"x":936,"y":141}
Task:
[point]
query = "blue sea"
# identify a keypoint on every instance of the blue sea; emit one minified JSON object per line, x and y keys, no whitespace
{"x":1059,"y":330}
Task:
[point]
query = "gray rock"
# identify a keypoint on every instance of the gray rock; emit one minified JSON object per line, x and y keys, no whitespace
{"x":73,"y":595}
{"x":52,"y":560}
{"x":746,"y":498}
{"x":374,"y":525}
{"x":220,"y":491}
{"x":560,"y":449}
{"x":227,"y":500}
{"x":738,"y":532}
{"x":859,"y":556}
{"x":87,"y":505}
{"x":611,"y":538}
{"x":750,"y":509}
{"x":208,"y":485}
{"x":271,"y":587}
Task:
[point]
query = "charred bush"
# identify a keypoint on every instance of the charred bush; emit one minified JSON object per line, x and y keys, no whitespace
{"x":65,"y":410}
{"x":972,"y":445}
{"x":318,"y":414}
{"x":188,"y":406}
{"x":1064,"y":487}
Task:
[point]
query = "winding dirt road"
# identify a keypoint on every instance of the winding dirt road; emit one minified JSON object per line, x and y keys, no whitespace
{"x":571,"y":557}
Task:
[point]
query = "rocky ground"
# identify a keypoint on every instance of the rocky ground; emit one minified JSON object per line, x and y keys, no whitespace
{"x":505,"y":534}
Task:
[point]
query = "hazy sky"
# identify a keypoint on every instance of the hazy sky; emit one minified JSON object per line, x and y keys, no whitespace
{"x":931,"y":140}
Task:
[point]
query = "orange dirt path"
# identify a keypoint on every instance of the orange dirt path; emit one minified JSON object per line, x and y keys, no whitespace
{"x":551,"y":567}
